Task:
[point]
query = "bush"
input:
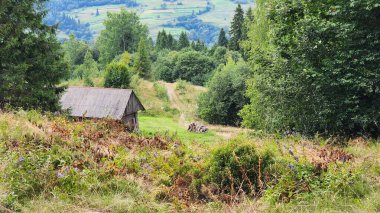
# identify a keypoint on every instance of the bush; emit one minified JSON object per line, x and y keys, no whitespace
{"x":181,"y":86}
{"x":117,"y":76}
{"x":237,"y":166}
{"x":161,"y":91}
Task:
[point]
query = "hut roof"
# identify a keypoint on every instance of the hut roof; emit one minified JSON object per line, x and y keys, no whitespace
{"x":92,"y":102}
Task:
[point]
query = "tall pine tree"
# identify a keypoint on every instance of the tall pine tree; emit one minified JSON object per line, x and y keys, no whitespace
{"x":222,"y":40}
{"x":31,"y":61}
{"x":142,"y":62}
{"x":162,"y":40}
{"x":236,"y":31}
{"x":183,"y":41}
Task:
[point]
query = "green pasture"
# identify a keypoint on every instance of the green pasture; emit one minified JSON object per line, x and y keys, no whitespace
{"x":150,"y":126}
{"x":154,"y":16}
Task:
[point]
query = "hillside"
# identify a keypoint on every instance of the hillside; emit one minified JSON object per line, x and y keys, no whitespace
{"x":200,"y":18}
{"x":170,"y":108}
{"x":54,"y":164}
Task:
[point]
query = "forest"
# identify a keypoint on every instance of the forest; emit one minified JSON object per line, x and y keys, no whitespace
{"x":290,"y":93}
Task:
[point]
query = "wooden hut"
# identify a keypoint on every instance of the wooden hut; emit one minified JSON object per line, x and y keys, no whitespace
{"x":92,"y":102}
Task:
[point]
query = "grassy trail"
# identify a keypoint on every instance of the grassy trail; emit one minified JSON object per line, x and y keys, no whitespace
{"x":187,"y":112}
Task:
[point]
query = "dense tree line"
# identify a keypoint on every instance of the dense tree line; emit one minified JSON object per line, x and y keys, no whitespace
{"x":316,"y":67}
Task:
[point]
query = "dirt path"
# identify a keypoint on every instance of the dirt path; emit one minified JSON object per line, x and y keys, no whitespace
{"x":186,"y":117}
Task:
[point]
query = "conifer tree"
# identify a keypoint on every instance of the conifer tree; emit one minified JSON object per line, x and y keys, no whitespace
{"x":222,"y":40}
{"x":236,"y":31}
{"x":31,"y":60}
{"x":183,"y":41}
{"x":170,"y":42}
{"x":142,"y":62}
{"x":248,"y":19}
{"x":162,"y":40}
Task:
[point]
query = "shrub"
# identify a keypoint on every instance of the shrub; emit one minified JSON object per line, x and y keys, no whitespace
{"x":181,"y":86}
{"x":238,"y":167}
{"x":161,"y":91}
{"x":117,"y":76}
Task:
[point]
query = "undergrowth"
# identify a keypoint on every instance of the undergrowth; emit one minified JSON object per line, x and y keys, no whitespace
{"x":95,"y":165}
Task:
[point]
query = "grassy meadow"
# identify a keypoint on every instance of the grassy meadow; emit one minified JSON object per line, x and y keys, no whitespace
{"x":55,"y":164}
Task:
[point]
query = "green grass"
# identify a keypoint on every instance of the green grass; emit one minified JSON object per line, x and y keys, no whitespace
{"x":163,"y":125}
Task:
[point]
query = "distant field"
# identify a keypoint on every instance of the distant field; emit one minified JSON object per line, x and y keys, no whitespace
{"x":154,"y":16}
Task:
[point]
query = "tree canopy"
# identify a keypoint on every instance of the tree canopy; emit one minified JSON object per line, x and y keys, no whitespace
{"x":122,"y":33}
{"x":226,"y":94}
{"x":315,"y":69}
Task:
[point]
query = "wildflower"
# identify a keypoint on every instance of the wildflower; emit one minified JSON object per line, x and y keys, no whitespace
{"x":60,"y":175}
{"x":29,"y":172}
{"x":20,"y":160}
{"x":291,"y":166}
{"x":291,"y":152}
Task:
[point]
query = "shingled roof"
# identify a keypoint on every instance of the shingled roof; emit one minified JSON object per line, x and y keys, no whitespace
{"x":92,"y":102}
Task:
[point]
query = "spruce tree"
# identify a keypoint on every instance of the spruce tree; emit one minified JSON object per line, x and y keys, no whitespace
{"x":183,"y":41}
{"x":162,"y":40}
{"x":222,"y":40}
{"x":31,"y":60}
{"x":142,"y":62}
{"x":236,"y":31}
{"x":170,"y":42}
{"x":248,"y":19}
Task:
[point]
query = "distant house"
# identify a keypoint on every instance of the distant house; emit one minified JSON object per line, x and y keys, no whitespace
{"x":92,"y":102}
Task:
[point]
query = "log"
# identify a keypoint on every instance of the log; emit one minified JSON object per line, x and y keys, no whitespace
{"x":197,"y":127}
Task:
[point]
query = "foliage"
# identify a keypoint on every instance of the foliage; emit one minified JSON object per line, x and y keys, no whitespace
{"x":181,"y":86}
{"x":75,"y":52}
{"x":122,"y":33}
{"x":315,"y":70}
{"x":30,"y":57}
{"x":142,"y":64}
{"x":237,"y":167}
{"x":236,"y":30}
{"x":166,"y":41}
{"x":117,"y":76}
{"x":183,"y":41}
{"x":161,"y":91}
{"x":88,"y":69}
{"x":189,"y":65}
{"x":194,"y":67}
{"x":222,"y":39}
{"x":226,"y":94}
{"x":165,"y":65}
